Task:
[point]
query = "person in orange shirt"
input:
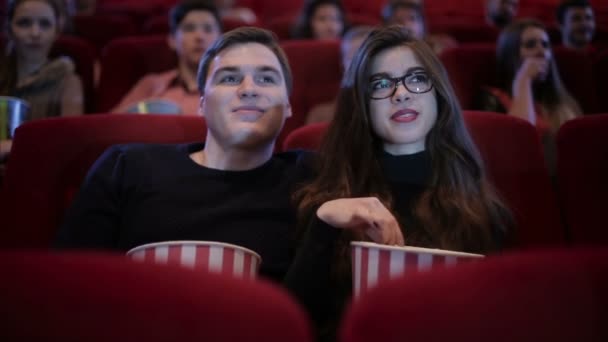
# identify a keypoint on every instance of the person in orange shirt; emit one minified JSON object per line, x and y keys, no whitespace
{"x":194,"y":26}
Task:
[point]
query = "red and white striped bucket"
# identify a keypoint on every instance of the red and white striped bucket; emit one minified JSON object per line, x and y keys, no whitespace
{"x":203,"y":255}
{"x":373,"y":263}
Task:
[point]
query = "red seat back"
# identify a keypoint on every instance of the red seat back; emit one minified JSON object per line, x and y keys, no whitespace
{"x":50,"y":158}
{"x":101,"y":29}
{"x":125,"y":61}
{"x":600,"y":72}
{"x":513,"y":156}
{"x":317,"y":72}
{"x":582,"y":168}
{"x":470,"y":67}
{"x":91,"y":297}
{"x":575,"y":69}
{"x":556,"y":295}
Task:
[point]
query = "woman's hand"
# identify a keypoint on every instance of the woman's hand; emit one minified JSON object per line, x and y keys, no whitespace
{"x":533,"y":68}
{"x":367,"y":214}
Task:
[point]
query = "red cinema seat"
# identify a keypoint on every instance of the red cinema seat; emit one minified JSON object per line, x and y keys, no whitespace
{"x":317,"y":71}
{"x":125,"y":61}
{"x":470,"y":67}
{"x":582,"y":174}
{"x":600,"y":72}
{"x":99,"y":298}
{"x":550,"y":295}
{"x":101,"y":29}
{"x":50,"y":158}
{"x":575,"y":69}
{"x":307,"y":137}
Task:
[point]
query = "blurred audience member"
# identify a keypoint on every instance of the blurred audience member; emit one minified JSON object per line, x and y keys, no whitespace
{"x":194,"y":26}
{"x":409,"y":15}
{"x":577,"y":23}
{"x":320,"y":19}
{"x":500,"y":13}
{"x":530,"y":85}
{"x":50,"y":86}
{"x":351,"y":42}
{"x":227,"y":10}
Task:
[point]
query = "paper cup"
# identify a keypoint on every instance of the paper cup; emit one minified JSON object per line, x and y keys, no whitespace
{"x":373,"y":263}
{"x":154,"y":107}
{"x":13,"y":112}
{"x":201,"y":255}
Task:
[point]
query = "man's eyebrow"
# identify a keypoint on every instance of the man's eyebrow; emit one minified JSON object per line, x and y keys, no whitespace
{"x":226,"y":69}
{"x":267,"y":68}
{"x":232,"y":68}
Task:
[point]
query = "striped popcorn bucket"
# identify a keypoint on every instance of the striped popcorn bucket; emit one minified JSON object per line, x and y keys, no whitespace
{"x":373,"y":263}
{"x":201,"y":255}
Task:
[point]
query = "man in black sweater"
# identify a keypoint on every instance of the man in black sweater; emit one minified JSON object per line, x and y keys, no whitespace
{"x":229,"y":189}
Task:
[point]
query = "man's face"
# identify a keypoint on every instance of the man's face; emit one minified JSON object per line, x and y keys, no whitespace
{"x":410,"y":19}
{"x":245,"y":100}
{"x":197,"y":31}
{"x":578,"y":26}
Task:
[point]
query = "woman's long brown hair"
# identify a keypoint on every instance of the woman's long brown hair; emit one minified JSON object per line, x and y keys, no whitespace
{"x":559,"y":105}
{"x":458,"y":211}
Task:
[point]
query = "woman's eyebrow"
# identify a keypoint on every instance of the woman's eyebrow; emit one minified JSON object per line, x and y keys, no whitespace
{"x":407,"y":72}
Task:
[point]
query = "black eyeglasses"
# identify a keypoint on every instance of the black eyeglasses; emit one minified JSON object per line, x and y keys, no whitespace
{"x":385,"y":87}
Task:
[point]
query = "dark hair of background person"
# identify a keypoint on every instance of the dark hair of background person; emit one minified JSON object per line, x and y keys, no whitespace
{"x":8,"y":56}
{"x":244,"y":35}
{"x":460,"y":209}
{"x":303,"y":25}
{"x":179,"y":12}
{"x":564,"y":6}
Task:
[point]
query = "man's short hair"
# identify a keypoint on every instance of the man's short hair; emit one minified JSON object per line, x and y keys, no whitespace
{"x":179,"y":12}
{"x":244,"y":35}
{"x":393,"y":6}
{"x":564,"y":6}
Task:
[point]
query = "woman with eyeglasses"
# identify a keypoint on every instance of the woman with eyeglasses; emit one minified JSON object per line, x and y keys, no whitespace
{"x":530,"y":86}
{"x":397,"y":166}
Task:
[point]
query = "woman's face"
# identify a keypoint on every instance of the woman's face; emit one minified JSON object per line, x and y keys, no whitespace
{"x":402,"y":120}
{"x":535,"y":43}
{"x":34,"y":28}
{"x":326,"y":22}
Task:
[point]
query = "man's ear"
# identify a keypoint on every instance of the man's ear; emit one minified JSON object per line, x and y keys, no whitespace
{"x":200,"y":106}
{"x":171,"y":41}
